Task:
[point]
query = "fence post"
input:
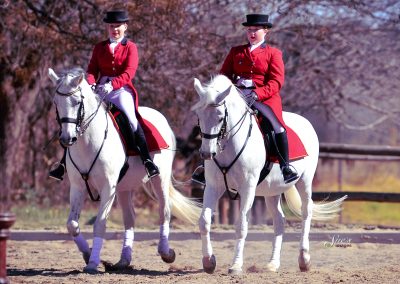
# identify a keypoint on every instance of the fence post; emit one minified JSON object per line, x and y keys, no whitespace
{"x":6,"y":221}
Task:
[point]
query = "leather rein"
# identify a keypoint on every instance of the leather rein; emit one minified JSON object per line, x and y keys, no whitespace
{"x":81,"y":126}
{"x":222,"y":134}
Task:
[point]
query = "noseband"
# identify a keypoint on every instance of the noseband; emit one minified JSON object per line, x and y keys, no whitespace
{"x":222,"y":132}
{"x":81,"y":110}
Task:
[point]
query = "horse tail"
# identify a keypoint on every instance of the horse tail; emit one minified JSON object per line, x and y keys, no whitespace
{"x":321,"y":210}
{"x":184,"y":208}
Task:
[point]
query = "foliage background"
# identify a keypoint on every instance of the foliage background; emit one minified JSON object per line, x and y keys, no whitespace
{"x":341,"y":59}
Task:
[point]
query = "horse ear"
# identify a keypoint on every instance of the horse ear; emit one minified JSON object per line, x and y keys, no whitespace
{"x":53,"y":76}
{"x":77,"y":80}
{"x":198,"y":87}
{"x":223,"y":95}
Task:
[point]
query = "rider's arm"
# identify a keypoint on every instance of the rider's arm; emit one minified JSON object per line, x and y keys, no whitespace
{"x":128,"y":66}
{"x":274,"y":78}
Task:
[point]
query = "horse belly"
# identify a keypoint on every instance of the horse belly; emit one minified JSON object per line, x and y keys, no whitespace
{"x":273,"y":184}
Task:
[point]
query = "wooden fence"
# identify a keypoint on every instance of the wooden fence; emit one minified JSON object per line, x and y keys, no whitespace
{"x":227,"y":209}
{"x":362,"y":153}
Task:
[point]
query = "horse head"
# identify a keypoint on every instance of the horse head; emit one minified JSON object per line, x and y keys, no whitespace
{"x":212,"y":113}
{"x":69,"y":103}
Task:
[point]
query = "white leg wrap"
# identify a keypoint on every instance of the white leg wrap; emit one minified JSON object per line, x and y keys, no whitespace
{"x":163,"y":246}
{"x":81,"y":243}
{"x":127,"y":246}
{"x":238,"y":259}
{"x":276,"y":249}
{"x":95,"y":255}
{"x":206,"y":245}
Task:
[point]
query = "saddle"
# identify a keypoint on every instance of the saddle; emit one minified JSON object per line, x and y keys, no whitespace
{"x":155,"y":141}
{"x":296,"y":147}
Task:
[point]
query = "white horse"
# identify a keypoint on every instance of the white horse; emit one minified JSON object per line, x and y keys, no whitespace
{"x":96,"y":153}
{"x":232,"y":145}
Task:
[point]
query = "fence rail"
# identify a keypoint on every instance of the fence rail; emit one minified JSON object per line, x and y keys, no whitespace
{"x":369,"y":150}
{"x":357,"y":196}
{"x":359,"y":152}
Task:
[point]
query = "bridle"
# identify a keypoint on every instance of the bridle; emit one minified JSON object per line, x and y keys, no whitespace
{"x":81,"y":110}
{"x":81,"y":126}
{"x":223,"y":133}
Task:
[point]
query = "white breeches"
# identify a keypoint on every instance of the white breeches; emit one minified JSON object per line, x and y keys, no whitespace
{"x":123,"y":99}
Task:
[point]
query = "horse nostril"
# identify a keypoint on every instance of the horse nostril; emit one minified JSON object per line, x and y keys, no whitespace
{"x":73,"y":140}
{"x":206,"y":156}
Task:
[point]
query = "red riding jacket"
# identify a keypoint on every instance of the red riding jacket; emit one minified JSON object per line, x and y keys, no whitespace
{"x":122,"y":64}
{"x":264,"y":65}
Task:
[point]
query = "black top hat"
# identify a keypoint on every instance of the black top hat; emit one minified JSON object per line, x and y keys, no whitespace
{"x":257,"y":20}
{"x":116,"y":17}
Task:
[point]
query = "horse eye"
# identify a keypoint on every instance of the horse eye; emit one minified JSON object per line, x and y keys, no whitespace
{"x":74,"y":103}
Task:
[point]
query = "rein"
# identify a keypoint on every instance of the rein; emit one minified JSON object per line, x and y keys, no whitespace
{"x":224,"y":170}
{"x":81,"y":126}
{"x":222,"y":134}
{"x":85,"y":176}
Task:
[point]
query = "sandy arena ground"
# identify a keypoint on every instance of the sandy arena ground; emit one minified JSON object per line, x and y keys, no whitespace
{"x":350,"y":256}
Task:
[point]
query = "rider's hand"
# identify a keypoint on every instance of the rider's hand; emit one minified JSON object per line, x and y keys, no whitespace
{"x":245,"y":83}
{"x":250,"y":97}
{"x":105,"y":88}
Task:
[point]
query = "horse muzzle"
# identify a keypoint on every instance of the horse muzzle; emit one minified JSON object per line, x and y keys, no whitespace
{"x":67,"y":142}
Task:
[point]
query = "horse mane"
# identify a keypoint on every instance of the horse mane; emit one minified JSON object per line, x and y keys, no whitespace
{"x":74,"y":71}
{"x":218,"y":84}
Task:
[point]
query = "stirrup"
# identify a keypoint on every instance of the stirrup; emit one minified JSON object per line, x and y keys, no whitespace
{"x":289,"y":175}
{"x":57,"y":172}
{"x":198,"y":176}
{"x":151,"y":168}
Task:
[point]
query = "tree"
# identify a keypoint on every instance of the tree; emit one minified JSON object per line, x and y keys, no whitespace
{"x":340,"y":56}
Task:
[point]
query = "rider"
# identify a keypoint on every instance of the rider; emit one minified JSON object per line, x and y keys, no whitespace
{"x":257,"y":69}
{"x":113,"y":65}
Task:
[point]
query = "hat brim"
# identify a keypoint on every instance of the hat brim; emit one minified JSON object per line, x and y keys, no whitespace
{"x":258,"y":24}
{"x":108,"y":21}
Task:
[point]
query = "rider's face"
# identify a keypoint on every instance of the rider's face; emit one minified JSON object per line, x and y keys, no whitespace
{"x":117,"y":30}
{"x":256,"y":34}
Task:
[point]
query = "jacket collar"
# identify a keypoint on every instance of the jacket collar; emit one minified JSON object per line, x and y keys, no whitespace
{"x":259,"y":49}
{"x":123,"y":42}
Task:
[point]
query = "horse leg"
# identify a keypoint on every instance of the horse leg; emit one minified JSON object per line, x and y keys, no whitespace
{"x":210,"y":199}
{"x":242,"y":224}
{"x":128,"y":214}
{"x":278,"y":218}
{"x":161,"y":189}
{"x":76,"y":200}
{"x":99,"y":229}
{"x":306,"y":215}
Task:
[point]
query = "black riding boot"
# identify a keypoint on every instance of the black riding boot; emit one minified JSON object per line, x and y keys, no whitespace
{"x":141,"y":145}
{"x":288,"y":173}
{"x":58,"y":172}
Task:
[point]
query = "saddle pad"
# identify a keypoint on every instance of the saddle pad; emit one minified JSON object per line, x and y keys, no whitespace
{"x":155,"y":141}
{"x":296,"y":147}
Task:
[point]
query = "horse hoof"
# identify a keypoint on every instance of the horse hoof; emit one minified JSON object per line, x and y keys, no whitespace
{"x":235,"y":269}
{"x":170,"y":257}
{"x":122,"y":264}
{"x":304,"y":261}
{"x":91,"y":268}
{"x":272,"y":267}
{"x":209,"y":264}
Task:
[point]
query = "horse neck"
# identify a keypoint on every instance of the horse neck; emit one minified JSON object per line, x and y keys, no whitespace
{"x":95,"y":117}
{"x":238,"y":122}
